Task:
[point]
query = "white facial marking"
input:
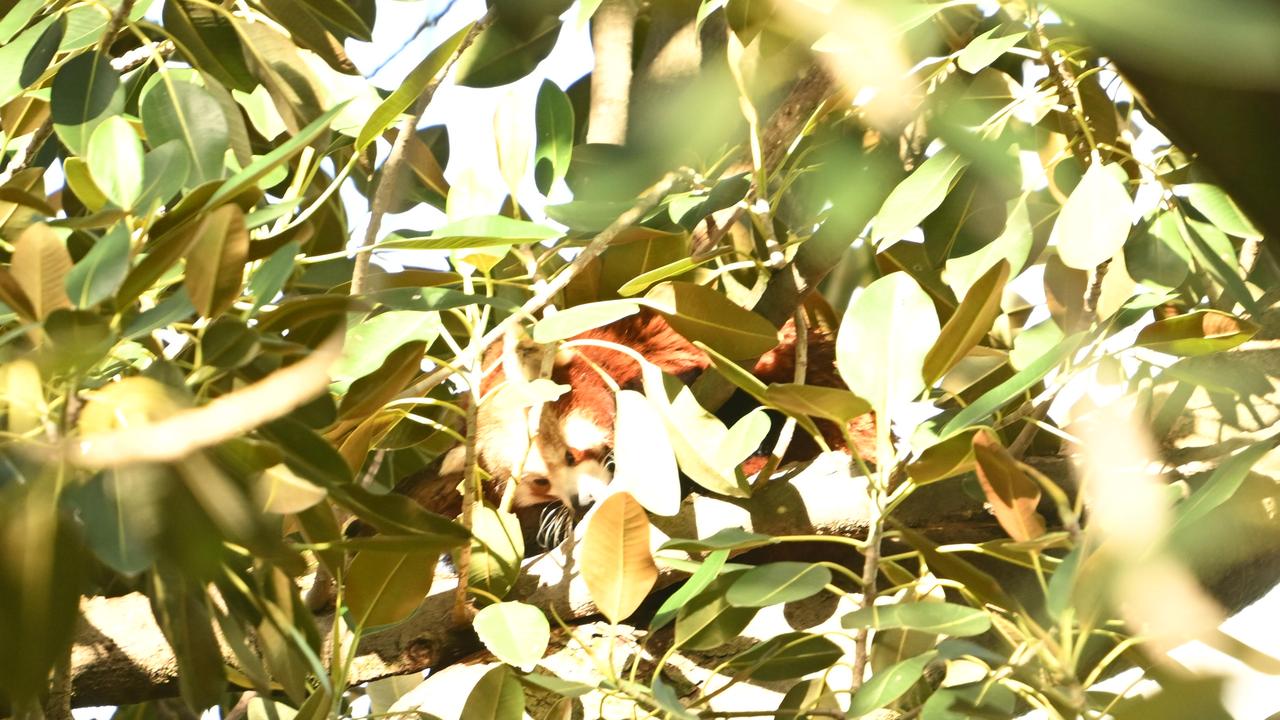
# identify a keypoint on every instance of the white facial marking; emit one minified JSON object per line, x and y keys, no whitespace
{"x":580,"y":433}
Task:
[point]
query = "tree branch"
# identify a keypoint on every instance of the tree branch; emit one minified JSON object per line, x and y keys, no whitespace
{"x":387,"y":190}
{"x":612,"y":32}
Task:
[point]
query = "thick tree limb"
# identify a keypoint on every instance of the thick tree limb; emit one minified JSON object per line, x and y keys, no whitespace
{"x":612,"y":30}
{"x":121,"y":657}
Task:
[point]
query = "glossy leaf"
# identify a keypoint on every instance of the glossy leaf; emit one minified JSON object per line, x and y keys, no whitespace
{"x":708,"y":620}
{"x":645,"y":463}
{"x":940,"y":618}
{"x":502,"y":54}
{"x":369,"y":342}
{"x":80,"y":181}
{"x":164,"y":173}
{"x":386,"y":588}
{"x":1220,"y":209}
{"x":915,"y":197}
{"x":886,"y":333}
{"x":553,"y":121}
{"x":40,"y":265}
{"x":187,"y":113}
{"x":580,"y":318}
{"x":216,"y":260}
{"x":777,"y":583}
{"x":889,"y":684}
{"x":473,"y":232}
{"x":498,"y":696}
{"x":513,"y":140}
{"x":1013,"y":246}
{"x":1011,"y":494}
{"x":969,"y":324}
{"x":516,"y":633}
{"x":987,"y":48}
{"x":786,"y":656}
{"x":497,"y":548}
{"x":114,"y":156}
{"x":85,"y":92}
{"x":1157,"y":254}
{"x":409,"y":89}
{"x":727,"y":539}
{"x":1221,"y":485}
{"x":1197,"y":333}
{"x":835,"y":404}
{"x":696,"y":583}
{"x":615,"y":561}
{"x":704,"y":315}
{"x":1095,"y":220}
{"x":99,"y":273}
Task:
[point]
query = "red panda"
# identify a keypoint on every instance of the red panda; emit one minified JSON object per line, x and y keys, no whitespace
{"x":556,"y":455}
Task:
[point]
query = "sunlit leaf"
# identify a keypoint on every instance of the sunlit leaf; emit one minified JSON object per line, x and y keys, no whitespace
{"x":615,"y":561}
{"x":1220,"y":209}
{"x":987,"y":48}
{"x":704,"y":315}
{"x":933,"y":617}
{"x":835,"y":404}
{"x":216,"y":260}
{"x":473,"y":232}
{"x":497,"y":548}
{"x":889,"y":684}
{"x":708,"y":620}
{"x":503,"y":54}
{"x":114,"y":156}
{"x":1196,"y":333}
{"x":553,"y":117}
{"x":182,"y":111}
{"x":516,"y":633}
{"x":409,"y":89}
{"x":886,"y":333}
{"x":696,"y":583}
{"x":969,"y":324}
{"x":1011,"y":494}
{"x":644,"y":459}
{"x":1095,"y":221}
{"x":164,"y":173}
{"x":498,"y":696}
{"x":918,"y":195}
{"x":386,"y":588}
{"x":40,"y":266}
{"x":580,"y":318}
{"x":369,"y":342}
{"x":777,"y":583}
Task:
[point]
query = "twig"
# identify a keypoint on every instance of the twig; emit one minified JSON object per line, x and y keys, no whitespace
{"x":646,"y":202}
{"x":461,"y":614}
{"x":388,"y":187}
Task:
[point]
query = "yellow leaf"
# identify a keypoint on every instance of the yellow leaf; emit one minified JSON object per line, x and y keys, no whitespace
{"x":615,"y":560}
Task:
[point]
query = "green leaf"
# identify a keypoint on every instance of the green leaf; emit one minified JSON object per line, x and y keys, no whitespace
{"x":835,"y":404}
{"x":369,"y":342}
{"x":996,"y":397}
{"x":216,"y":260}
{"x":704,"y":315}
{"x":889,"y":684}
{"x":386,"y":588}
{"x":502,"y":54}
{"x":498,"y":696}
{"x":1200,"y":332}
{"x":497,"y":547}
{"x":644,"y":459}
{"x":118,"y":509}
{"x":559,"y":686}
{"x":708,"y":620}
{"x":777,"y":583}
{"x":99,"y":273}
{"x":250,"y":175}
{"x":179,"y":111}
{"x":114,"y":156}
{"x":81,"y":182}
{"x":727,"y":539}
{"x":553,"y":121}
{"x":696,"y":583}
{"x":786,"y":656}
{"x":614,"y":560}
{"x":42,"y":52}
{"x":342,"y":15}
{"x":164,"y":173}
{"x":16,"y":52}
{"x":1095,"y":220}
{"x":40,"y":265}
{"x":1212,"y":250}
{"x":1013,"y":246}
{"x":1157,"y":255}
{"x":987,"y":48}
{"x":672,"y":269}
{"x":917,"y":196}
{"x":884,"y":337}
{"x":228,"y":343}
{"x":1220,"y":487}
{"x":940,"y":618}
{"x":410,"y":88}
{"x":969,"y":324}
{"x":85,"y":92}
{"x":516,"y":633}
{"x":1220,"y":209}
{"x":270,"y":277}
{"x":181,"y":608}
{"x":206,"y":37}
{"x":580,"y":318}
{"x":474,"y":232}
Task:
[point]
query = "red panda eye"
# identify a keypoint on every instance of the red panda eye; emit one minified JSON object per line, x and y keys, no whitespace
{"x":569,"y":459}
{"x":541,"y":483}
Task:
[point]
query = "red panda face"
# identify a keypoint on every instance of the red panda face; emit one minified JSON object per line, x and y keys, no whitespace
{"x":559,"y":452}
